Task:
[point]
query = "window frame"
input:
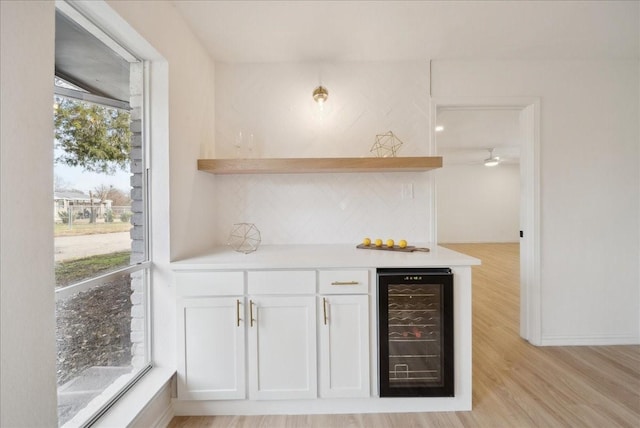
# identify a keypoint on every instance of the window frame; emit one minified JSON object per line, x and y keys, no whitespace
{"x":146,"y":264}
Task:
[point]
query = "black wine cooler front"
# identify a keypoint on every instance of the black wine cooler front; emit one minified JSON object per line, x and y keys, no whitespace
{"x":415,"y":332}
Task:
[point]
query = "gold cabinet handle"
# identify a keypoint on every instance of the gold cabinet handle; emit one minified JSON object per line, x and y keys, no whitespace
{"x":238,"y":319}
{"x":251,"y":312}
{"x":324,"y":309}
{"x":345,"y":283}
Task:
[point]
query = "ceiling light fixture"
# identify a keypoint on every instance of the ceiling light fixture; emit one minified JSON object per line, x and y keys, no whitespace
{"x":491,"y":160}
{"x":320,"y":95}
{"x":439,"y":128}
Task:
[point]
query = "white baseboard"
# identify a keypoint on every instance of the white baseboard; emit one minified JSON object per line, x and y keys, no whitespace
{"x":165,"y":418}
{"x":462,"y":402}
{"x":602,"y":340}
{"x":158,"y":412}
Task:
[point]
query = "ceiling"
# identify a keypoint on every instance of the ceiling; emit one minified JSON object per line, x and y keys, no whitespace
{"x":294,"y":31}
{"x":469,"y":133}
{"x":306,"y":31}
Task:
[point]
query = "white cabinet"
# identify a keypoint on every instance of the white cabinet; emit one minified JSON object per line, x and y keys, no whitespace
{"x":282,"y":347}
{"x":211,"y":350}
{"x":282,"y":335}
{"x":298,"y":343}
{"x":211,"y":335}
{"x":294,"y":359}
{"x":343,"y":328}
{"x":344,"y":346}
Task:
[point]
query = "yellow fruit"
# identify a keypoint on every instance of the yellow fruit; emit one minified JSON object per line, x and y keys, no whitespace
{"x":378,"y":242}
{"x":390,"y":243}
{"x":366,"y":241}
{"x":402,"y":243}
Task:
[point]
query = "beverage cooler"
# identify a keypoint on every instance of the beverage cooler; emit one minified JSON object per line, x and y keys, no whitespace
{"x":415,"y":332}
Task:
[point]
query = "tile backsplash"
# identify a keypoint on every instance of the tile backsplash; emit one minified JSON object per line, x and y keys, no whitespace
{"x":272,"y":103}
{"x":324,"y":208}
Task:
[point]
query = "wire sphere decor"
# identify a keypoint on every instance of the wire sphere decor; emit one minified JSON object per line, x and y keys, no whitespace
{"x":244,"y":238}
{"x":386,"y":145}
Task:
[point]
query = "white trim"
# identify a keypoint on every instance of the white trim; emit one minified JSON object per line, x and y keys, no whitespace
{"x":432,"y":229}
{"x":65,"y":292}
{"x":165,"y":418}
{"x":530,"y":296}
{"x":324,"y":406}
{"x":113,"y":25}
{"x":157,"y":91}
{"x":140,"y":398}
{"x":530,"y":289}
{"x":591,"y":340}
{"x":90,"y":98}
{"x":73,"y":14}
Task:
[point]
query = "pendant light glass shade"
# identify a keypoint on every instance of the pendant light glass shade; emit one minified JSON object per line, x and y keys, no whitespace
{"x":320,"y":94}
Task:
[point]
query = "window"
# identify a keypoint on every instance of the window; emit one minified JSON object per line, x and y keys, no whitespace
{"x":101,"y":218}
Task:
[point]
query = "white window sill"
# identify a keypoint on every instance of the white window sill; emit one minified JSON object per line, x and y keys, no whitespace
{"x":126,"y":410}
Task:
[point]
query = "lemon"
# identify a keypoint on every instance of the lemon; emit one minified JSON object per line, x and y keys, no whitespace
{"x":402,"y":243}
{"x":390,"y":243}
{"x":366,"y":241}
{"x":378,"y":242}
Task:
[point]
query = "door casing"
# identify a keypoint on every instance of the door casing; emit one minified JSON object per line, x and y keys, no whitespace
{"x":529,"y":107}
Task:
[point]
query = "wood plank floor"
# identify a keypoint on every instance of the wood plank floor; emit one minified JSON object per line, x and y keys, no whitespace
{"x":514,"y":384}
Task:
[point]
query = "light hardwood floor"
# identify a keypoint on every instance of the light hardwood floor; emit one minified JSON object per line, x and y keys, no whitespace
{"x":514,"y":384}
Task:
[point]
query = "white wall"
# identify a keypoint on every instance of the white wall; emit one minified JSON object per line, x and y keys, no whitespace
{"x":191,"y":120}
{"x":478,"y":204}
{"x":27,"y":368}
{"x":186,"y":102}
{"x":589,"y":187}
{"x":274,"y":103}
{"x":182,"y":99}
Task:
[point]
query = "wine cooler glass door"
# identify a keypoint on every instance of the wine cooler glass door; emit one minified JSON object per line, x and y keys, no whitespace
{"x":416,"y":352}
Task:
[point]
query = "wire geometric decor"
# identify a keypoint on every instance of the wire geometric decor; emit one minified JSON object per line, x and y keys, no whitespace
{"x":244,"y":237}
{"x":386,"y":145}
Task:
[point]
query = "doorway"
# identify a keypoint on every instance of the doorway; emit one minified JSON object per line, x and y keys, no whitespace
{"x":513,"y":144}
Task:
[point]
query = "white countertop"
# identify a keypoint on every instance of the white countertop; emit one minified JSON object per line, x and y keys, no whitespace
{"x":322,"y":257}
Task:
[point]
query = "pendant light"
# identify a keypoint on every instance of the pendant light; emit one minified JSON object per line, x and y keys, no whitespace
{"x":491,"y":160}
{"x":320,"y":95}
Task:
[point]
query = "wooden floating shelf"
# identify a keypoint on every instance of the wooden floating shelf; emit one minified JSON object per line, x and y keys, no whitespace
{"x":316,"y":165}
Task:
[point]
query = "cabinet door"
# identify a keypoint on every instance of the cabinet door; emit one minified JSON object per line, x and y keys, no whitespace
{"x":282,"y":347}
{"x":211,"y":352}
{"x":344,"y":346}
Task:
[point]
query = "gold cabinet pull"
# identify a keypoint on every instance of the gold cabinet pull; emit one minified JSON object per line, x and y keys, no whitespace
{"x":238,"y":319}
{"x":345,"y":283}
{"x":251,"y":312}
{"x":324,"y":309}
